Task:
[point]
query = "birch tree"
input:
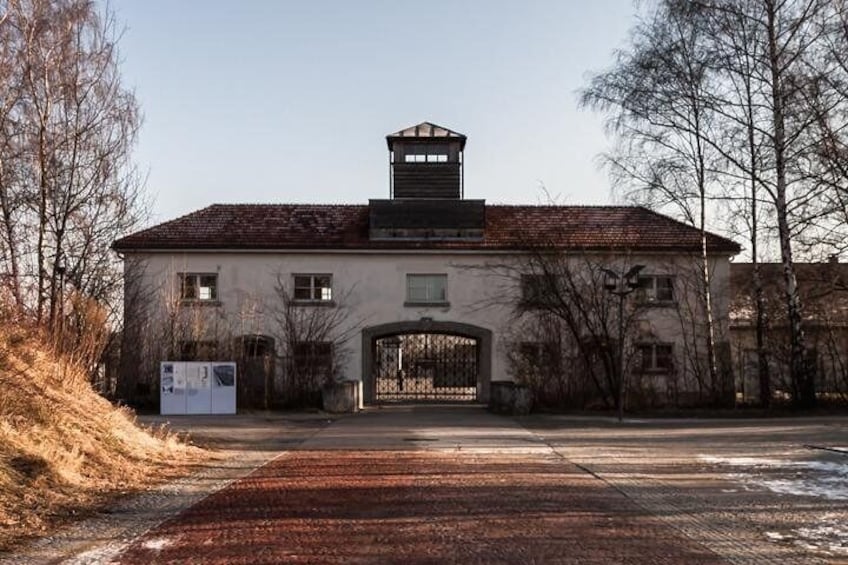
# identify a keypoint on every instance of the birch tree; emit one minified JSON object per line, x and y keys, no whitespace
{"x":657,"y":98}
{"x":767,"y":80}
{"x":68,"y":187}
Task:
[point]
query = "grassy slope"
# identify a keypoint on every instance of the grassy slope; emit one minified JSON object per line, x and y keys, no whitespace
{"x":64,"y":450}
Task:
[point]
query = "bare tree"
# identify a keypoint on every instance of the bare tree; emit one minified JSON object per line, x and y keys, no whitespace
{"x":312,"y":341}
{"x":765,"y":75}
{"x":564,"y":324}
{"x":67,"y":128}
{"x":656,"y":96}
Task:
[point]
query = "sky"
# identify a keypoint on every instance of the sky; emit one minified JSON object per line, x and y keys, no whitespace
{"x":290,"y":102}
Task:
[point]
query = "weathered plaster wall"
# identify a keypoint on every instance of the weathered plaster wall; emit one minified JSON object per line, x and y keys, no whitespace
{"x":374,"y":289}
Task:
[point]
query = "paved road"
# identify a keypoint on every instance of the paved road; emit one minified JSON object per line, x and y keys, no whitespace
{"x":418,"y":485}
{"x":460,"y":485}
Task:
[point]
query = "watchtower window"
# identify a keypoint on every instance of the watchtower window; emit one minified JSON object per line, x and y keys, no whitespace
{"x":426,"y":154}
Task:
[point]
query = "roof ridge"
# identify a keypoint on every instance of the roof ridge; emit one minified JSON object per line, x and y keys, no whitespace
{"x":583,"y":206}
{"x":310,"y":204}
{"x":682,"y":223}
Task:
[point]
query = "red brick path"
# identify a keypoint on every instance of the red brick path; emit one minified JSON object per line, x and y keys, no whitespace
{"x":416,"y":507}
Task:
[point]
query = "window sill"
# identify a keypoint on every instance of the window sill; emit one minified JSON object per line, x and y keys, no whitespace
{"x":535,"y":304}
{"x":656,"y":372}
{"x":658,"y":303}
{"x":197,"y":302}
{"x":324,"y":303}
{"x":426,"y":304}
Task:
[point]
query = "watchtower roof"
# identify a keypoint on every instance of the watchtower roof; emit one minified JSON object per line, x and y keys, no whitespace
{"x":426,"y":131}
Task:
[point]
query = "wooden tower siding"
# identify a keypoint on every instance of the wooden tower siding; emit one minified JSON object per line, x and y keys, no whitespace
{"x":426,"y":162}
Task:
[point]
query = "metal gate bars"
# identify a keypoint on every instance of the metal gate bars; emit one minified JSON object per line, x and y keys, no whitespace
{"x":425,"y":367}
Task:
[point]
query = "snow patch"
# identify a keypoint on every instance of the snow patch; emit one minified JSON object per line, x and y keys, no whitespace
{"x":743,"y":461}
{"x":157,"y":544}
{"x":821,"y":479}
{"x":830,"y":535}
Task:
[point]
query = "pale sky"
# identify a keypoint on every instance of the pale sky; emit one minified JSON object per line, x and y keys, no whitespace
{"x":283,"y":101}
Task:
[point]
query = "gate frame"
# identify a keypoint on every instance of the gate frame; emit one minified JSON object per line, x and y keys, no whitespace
{"x":483,"y":336}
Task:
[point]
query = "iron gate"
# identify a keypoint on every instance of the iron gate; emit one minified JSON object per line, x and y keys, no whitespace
{"x":425,"y":367}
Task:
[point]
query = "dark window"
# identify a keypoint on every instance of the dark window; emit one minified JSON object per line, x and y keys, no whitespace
{"x":656,"y":357}
{"x":198,"y":286}
{"x":317,"y":288}
{"x":538,"y":290}
{"x":539,"y":354}
{"x":256,"y":346}
{"x":426,"y":153}
{"x":197,"y":350}
{"x":313,"y":358}
{"x":656,"y":288}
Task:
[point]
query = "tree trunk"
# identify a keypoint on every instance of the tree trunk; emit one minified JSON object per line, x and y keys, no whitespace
{"x":803,"y":388}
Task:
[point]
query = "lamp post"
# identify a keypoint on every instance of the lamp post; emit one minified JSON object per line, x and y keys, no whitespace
{"x":61,"y":269}
{"x":620,"y":286}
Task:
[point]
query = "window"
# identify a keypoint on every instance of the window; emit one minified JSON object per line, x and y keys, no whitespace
{"x":419,"y":158}
{"x":656,"y":357}
{"x":426,"y":289}
{"x":251,"y":346}
{"x":198,"y":286}
{"x":537,"y":290}
{"x":426,"y":154}
{"x":314,"y":358}
{"x":539,"y":355}
{"x":313,"y":288}
{"x":197,"y":350}
{"x":656,"y":288}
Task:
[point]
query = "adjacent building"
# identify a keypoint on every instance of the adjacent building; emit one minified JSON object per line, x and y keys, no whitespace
{"x":823,"y":290}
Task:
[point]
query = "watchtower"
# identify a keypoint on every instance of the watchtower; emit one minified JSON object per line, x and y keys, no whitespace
{"x":426,"y":162}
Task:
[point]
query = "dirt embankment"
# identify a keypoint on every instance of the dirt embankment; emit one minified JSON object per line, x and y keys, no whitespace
{"x":64,"y":450}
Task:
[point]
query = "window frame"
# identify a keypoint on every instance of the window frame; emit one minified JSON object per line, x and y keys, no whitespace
{"x":200,"y":350}
{"x":427,"y":300}
{"x":540,"y":355}
{"x":653,"y":366}
{"x":427,"y":153}
{"x":538,"y":290}
{"x":649,"y":293}
{"x":313,"y":357}
{"x":197,"y":288}
{"x":314,"y":288}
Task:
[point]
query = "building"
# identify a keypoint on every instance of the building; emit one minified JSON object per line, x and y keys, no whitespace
{"x":421,"y":296}
{"x":823,"y":290}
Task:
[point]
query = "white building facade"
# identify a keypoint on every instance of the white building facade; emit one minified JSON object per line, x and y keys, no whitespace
{"x":424,"y":296}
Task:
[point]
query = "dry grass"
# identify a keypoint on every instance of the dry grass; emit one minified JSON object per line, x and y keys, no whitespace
{"x":64,"y":450}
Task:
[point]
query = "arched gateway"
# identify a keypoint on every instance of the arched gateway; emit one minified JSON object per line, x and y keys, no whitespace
{"x":426,"y":361}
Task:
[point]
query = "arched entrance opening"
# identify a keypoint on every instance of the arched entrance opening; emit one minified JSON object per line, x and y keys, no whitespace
{"x":426,"y":361}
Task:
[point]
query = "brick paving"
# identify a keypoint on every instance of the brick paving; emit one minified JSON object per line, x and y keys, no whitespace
{"x":660,"y":466}
{"x":460,"y":485}
{"x":417,"y":507}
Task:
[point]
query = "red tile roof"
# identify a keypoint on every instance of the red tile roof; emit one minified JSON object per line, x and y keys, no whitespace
{"x":308,"y":226}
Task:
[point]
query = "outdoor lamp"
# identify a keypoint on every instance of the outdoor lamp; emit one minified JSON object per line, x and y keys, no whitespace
{"x":610,"y":280}
{"x":632,"y":276}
